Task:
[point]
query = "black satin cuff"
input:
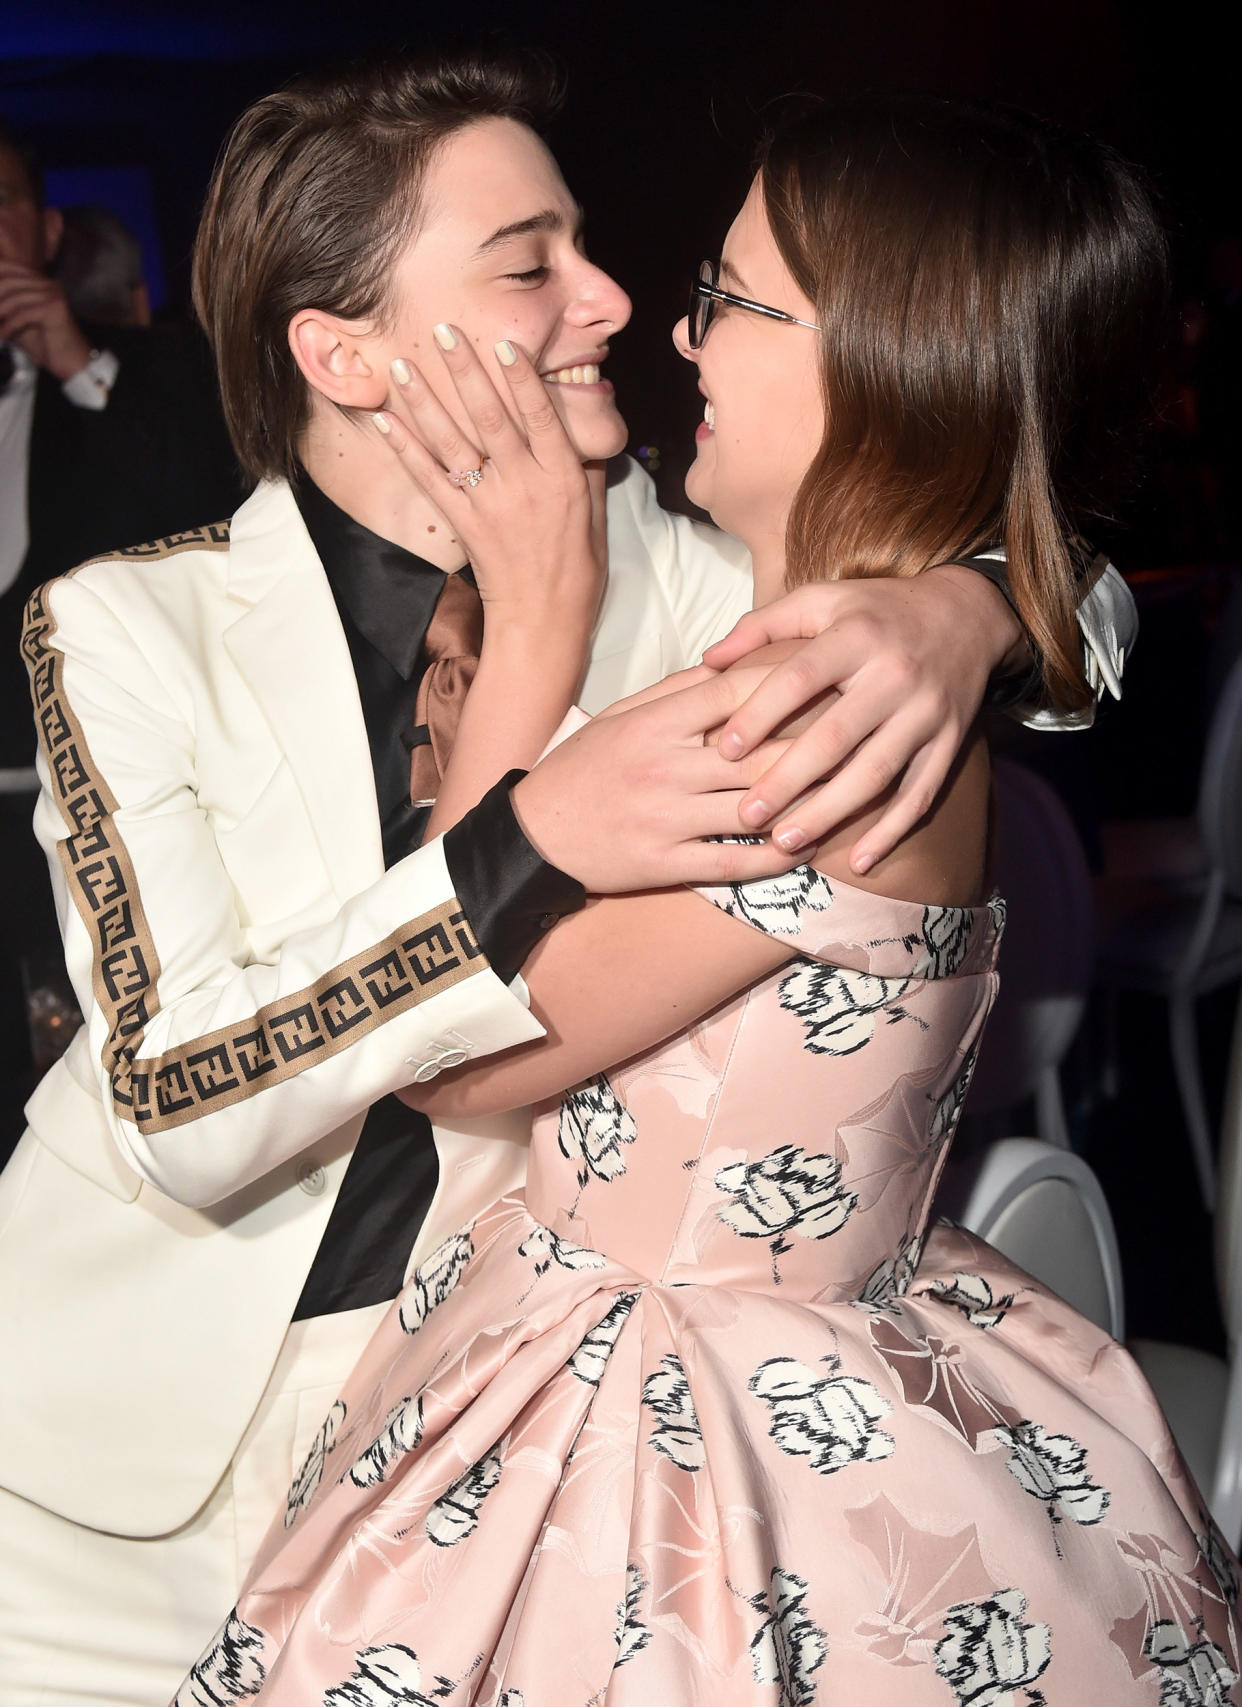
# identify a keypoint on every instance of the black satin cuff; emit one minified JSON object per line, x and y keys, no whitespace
{"x":509,"y":893}
{"x":1008,"y":692}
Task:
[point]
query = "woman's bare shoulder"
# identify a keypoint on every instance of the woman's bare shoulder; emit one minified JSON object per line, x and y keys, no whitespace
{"x":944,"y":859}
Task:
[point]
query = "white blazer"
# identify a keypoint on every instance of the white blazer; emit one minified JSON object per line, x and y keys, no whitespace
{"x":252,"y":981}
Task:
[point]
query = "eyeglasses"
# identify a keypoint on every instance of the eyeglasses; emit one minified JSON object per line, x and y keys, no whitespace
{"x":705,"y":294}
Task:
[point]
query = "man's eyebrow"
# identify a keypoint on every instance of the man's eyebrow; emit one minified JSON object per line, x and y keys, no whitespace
{"x":549,"y":219}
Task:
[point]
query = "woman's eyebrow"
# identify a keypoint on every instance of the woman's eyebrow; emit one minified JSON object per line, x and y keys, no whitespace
{"x":549,"y":219}
{"x":730,"y":274}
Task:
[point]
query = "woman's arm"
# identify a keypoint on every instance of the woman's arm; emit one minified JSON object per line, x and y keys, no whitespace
{"x":632,"y":970}
{"x":533,"y":528}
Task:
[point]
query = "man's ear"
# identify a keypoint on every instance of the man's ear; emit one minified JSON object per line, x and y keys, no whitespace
{"x":53,"y":231}
{"x":335,"y":358}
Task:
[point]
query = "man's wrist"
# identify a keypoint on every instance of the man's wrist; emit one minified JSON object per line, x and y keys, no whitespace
{"x":984,"y":584}
{"x":90,"y":386}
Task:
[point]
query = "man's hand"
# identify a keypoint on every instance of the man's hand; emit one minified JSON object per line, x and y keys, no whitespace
{"x":35,"y":315}
{"x":910,"y":660}
{"x":626,"y":802}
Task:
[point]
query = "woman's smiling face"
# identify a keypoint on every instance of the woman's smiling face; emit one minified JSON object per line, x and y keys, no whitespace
{"x":764,"y":415}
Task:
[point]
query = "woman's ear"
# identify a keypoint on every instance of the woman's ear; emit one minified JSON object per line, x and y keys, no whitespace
{"x":335,"y":358}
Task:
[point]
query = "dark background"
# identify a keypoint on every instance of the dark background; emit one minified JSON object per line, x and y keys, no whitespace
{"x":665,"y":104}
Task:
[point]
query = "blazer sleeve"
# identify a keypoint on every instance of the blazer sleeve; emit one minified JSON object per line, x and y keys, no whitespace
{"x":213,"y":1067}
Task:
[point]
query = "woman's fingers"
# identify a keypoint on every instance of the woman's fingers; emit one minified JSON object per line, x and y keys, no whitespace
{"x":923,"y":780}
{"x":543,"y":427}
{"x":870,"y":772}
{"x":492,"y":425}
{"x":425,"y":469}
{"x":416,"y":406}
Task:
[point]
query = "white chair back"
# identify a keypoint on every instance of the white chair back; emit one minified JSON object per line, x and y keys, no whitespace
{"x":1042,"y":1207}
{"x":1227,"y":1227}
{"x":1219,"y":808}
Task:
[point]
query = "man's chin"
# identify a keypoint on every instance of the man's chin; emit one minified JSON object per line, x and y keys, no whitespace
{"x":596,"y":441}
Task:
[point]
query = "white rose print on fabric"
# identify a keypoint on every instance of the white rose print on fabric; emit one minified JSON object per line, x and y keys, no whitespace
{"x":433,"y":1280}
{"x":839,"y":1008}
{"x":401,"y":1433}
{"x":776,"y":904}
{"x":785,"y":1192}
{"x":788,"y":1646}
{"x":591,"y":1358}
{"x":547,"y":1247}
{"x":1053,"y":1468}
{"x":988,"y":1652}
{"x":229,"y":1671}
{"x":311,"y":1473}
{"x":1192,"y":1673}
{"x":632,"y":1635}
{"x":455,"y":1515}
{"x":388,"y":1676}
{"x":944,"y":942}
{"x":677,"y":1435}
{"x":891,"y":1279}
{"x":946,"y":1112}
{"x":593,"y":1126}
{"x":973,"y":1296}
{"x":830,"y":1420}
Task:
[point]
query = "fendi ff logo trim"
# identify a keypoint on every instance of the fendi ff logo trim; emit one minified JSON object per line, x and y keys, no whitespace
{"x":425,"y":956}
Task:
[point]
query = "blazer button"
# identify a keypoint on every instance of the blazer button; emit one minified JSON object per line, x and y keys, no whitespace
{"x":311,"y":1178}
{"x":424,"y":1074}
{"x":454,"y":1057}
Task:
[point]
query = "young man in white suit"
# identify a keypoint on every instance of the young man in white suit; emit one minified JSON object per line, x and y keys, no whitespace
{"x":216,"y":1199}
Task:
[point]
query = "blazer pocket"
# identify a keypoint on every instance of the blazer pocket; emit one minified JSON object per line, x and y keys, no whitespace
{"x":274,"y":861}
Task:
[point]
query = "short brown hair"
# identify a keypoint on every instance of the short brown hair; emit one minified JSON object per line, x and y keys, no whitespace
{"x":314,"y":193}
{"x":990,"y":290}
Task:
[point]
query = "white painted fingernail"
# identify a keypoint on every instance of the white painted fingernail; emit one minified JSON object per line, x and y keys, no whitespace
{"x":506,"y":352}
{"x":401,"y":371}
{"x":381,"y":423}
{"x":445,"y":336}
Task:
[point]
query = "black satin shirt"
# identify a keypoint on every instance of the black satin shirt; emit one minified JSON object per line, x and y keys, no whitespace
{"x":385,"y":596}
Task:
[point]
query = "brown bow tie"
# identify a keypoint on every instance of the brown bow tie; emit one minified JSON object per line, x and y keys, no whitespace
{"x":454,"y":638}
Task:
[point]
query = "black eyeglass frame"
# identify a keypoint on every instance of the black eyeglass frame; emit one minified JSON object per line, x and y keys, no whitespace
{"x":705,"y":293}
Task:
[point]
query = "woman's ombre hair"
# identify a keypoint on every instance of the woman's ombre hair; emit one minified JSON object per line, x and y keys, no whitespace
{"x":990,"y":290}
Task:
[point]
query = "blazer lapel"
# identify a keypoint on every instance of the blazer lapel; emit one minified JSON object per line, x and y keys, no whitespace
{"x":289,"y":646}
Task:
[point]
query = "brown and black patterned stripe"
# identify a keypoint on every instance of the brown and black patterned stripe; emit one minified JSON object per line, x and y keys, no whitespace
{"x":223,"y":1067}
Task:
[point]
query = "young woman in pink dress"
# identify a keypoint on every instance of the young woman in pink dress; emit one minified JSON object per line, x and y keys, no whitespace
{"x":706,"y":1416}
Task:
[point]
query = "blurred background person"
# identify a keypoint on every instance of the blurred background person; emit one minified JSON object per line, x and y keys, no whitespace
{"x":110,"y":434}
{"x":99,"y":267}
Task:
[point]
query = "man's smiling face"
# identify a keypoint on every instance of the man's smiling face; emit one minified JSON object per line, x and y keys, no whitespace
{"x":498,"y":253}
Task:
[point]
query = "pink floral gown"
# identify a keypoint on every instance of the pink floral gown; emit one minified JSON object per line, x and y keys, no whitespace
{"x":692,"y":1424}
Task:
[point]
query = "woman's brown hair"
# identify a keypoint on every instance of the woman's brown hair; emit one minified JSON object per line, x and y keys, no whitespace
{"x":990,"y":291}
{"x":314,"y":194}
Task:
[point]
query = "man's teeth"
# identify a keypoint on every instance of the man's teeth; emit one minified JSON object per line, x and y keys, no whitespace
{"x":709,"y":415}
{"x":587,"y":375}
